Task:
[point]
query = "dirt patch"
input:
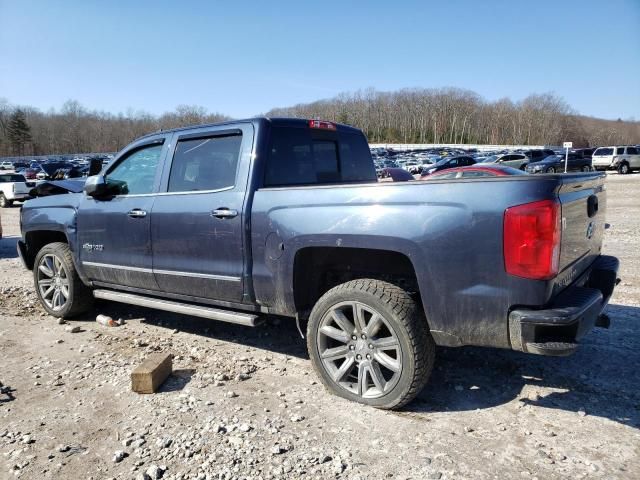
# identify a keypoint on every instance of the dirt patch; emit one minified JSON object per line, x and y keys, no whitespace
{"x":245,"y":403}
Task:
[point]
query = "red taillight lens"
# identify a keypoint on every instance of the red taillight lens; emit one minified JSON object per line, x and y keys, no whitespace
{"x":321,"y":125}
{"x":532,"y":240}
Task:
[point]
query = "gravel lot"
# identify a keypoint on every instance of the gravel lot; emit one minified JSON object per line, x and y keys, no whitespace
{"x":244,"y":403}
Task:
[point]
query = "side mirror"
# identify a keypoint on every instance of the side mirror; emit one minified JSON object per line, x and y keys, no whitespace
{"x":95,"y":166}
{"x":96,"y":186}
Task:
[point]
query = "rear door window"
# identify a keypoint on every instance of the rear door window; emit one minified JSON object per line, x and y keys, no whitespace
{"x":205,"y":163}
{"x":620,"y":151}
{"x":632,"y":151}
{"x":601,"y":152}
{"x":299,"y":157}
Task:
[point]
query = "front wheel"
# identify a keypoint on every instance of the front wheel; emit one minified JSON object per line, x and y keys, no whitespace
{"x":586,"y":168}
{"x":4,"y":203}
{"x":58,"y":286}
{"x":551,"y":170}
{"x":369,"y":342}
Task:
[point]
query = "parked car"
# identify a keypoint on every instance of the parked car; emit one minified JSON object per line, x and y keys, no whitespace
{"x":535,"y":155}
{"x":6,"y":166}
{"x":555,"y":163}
{"x":448,"y":162}
{"x":474,"y":171}
{"x":584,"y":152}
{"x":624,"y":159}
{"x":303,"y":229}
{"x":395,"y":175}
{"x":13,"y":187}
{"x":515,"y":160}
{"x":30,"y":173}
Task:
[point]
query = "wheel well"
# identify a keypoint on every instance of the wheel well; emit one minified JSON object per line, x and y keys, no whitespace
{"x":37,"y":239}
{"x":318,"y":269}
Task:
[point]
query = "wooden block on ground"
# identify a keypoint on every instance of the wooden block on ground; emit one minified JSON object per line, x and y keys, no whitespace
{"x":149,"y":375}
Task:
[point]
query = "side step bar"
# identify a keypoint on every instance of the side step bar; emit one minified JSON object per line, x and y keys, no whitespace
{"x":246,"y":319}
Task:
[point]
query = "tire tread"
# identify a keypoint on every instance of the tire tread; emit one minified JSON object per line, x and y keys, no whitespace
{"x":412,"y":319}
{"x":82,"y":296}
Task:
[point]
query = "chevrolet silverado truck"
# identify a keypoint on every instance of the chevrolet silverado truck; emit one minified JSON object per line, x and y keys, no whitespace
{"x":286,"y":217}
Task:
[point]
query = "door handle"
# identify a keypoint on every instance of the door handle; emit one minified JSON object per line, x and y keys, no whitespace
{"x":137,"y":213}
{"x":224,"y":212}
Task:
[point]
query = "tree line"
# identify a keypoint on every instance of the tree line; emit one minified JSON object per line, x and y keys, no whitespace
{"x":452,"y":115}
{"x":447,"y":115}
{"x":75,"y":129}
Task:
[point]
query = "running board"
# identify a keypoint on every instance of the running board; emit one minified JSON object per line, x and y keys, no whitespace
{"x":246,"y":319}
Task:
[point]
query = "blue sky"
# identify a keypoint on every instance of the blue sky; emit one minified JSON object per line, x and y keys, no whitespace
{"x":243,"y":57}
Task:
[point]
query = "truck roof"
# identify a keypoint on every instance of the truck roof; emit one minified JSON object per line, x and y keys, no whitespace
{"x":279,"y":121}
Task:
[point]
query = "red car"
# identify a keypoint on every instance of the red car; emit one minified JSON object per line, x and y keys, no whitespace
{"x":474,"y":171}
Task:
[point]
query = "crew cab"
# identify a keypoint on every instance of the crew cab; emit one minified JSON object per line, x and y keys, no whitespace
{"x":237,"y":220}
{"x":13,"y":187}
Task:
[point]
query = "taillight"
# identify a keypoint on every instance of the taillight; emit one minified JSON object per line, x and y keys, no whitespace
{"x":322,"y":125}
{"x":532,"y":240}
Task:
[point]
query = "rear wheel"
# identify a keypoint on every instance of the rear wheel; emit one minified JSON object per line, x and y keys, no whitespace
{"x":369,"y":342}
{"x":58,"y":286}
{"x":623,"y":169}
{"x":551,"y":170}
{"x":4,"y":203}
{"x":586,"y":168}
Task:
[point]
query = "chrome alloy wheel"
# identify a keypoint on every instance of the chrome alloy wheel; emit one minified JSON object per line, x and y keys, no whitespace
{"x":53,"y":282}
{"x":359,"y":349}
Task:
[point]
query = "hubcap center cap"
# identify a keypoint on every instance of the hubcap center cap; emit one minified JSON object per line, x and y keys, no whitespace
{"x":362,"y":347}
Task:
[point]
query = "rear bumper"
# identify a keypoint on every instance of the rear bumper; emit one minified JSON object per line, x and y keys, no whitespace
{"x":20,"y":197}
{"x":572,"y":314}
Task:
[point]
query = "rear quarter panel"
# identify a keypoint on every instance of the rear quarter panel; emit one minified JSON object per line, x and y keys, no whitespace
{"x":451,"y":231}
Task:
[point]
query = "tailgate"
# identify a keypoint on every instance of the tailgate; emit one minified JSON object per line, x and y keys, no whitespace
{"x":20,"y":188}
{"x":583,"y":199}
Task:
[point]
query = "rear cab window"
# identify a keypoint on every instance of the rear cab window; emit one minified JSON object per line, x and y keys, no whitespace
{"x":307,"y":156}
{"x":11,"y":178}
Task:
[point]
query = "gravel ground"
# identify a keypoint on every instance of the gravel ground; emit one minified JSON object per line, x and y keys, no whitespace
{"x":245,"y":403}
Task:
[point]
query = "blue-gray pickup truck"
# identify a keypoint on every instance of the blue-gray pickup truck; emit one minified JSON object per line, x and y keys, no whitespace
{"x":286,"y":217}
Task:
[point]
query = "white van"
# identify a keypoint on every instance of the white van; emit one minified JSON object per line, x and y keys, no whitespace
{"x":621,"y":158}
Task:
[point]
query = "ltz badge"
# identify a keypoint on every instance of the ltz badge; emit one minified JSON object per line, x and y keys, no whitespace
{"x":91,"y":247}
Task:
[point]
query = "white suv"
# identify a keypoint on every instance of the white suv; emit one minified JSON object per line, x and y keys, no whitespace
{"x":621,"y":158}
{"x":6,"y":166}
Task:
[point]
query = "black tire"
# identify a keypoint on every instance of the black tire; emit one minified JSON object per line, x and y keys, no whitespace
{"x":4,"y":203}
{"x":623,"y":168}
{"x":80,"y":297}
{"x":408,"y":326}
{"x":551,"y":170}
{"x":586,"y":168}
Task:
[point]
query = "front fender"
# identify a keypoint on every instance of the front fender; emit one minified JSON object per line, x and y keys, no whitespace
{"x":48,"y":214}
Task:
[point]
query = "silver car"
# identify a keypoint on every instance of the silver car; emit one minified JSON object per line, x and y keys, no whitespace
{"x":513,"y":160}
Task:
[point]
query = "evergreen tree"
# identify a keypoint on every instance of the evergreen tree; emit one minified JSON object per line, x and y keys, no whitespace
{"x":18,"y":131}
